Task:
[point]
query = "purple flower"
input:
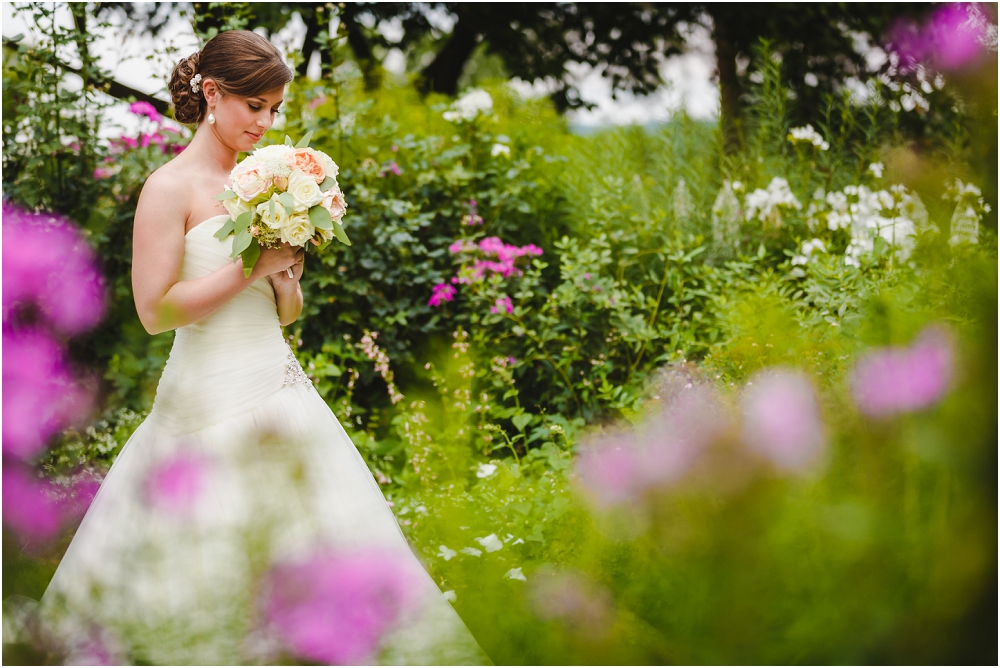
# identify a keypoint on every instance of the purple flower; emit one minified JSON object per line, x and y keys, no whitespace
{"x":894,"y":380}
{"x":611,"y":469}
{"x":145,"y":109}
{"x":573,"y":599}
{"x":40,"y":396}
{"x":502,"y":304}
{"x":442,"y":293}
{"x":394,"y":168}
{"x":781,"y":418}
{"x":46,"y":262}
{"x":29,"y":506}
{"x":334,"y":607}
{"x":102,"y":173}
{"x":175,"y":483}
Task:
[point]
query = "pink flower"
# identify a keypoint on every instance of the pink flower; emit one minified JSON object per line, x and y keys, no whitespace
{"x":47,"y":262}
{"x":145,"y":109}
{"x":573,"y":599}
{"x":102,"y":173}
{"x":40,"y":396}
{"x":502,"y":304}
{"x":317,"y":101}
{"x":442,"y":293}
{"x":334,"y":608}
{"x":175,"y":483}
{"x":781,"y":418}
{"x":894,"y":380}
{"x":29,"y":506}
{"x":611,"y":469}
{"x":950,"y":39}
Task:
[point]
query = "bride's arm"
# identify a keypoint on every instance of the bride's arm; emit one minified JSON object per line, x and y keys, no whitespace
{"x":163,"y":301}
{"x":288,"y":293}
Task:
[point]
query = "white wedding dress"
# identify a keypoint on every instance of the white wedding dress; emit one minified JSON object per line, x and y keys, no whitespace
{"x":280,"y":477}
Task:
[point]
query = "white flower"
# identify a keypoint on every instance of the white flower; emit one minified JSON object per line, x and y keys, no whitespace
{"x":486,"y":470}
{"x":445,"y":553}
{"x":813,"y":245}
{"x":279,"y":220}
{"x":519,"y":541}
{"x":471,"y":550}
{"x":764,"y":205}
{"x":277,"y":159}
{"x":515,"y":574}
{"x":299,"y":230}
{"x":491,"y":543}
{"x":303,"y":190}
{"x":799,"y":259}
{"x":876,"y":168}
{"x":449,"y":595}
{"x":236,"y":205}
{"x":470,"y":105}
{"x":809,"y":135}
{"x":500,"y":149}
{"x":420,"y":510}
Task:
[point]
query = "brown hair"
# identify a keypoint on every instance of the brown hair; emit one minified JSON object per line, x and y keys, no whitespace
{"x":240,"y":61}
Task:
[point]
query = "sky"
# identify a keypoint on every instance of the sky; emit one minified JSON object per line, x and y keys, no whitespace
{"x":144,"y":63}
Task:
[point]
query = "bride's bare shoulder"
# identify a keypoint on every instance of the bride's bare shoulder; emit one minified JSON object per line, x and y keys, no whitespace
{"x":164,"y":196}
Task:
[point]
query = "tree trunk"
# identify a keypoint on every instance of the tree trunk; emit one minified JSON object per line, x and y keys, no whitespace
{"x":442,"y":74}
{"x":370,"y":69}
{"x":729,"y":84}
{"x":311,"y":19}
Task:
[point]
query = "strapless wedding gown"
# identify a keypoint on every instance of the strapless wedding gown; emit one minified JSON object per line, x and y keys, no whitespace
{"x":279,"y":476}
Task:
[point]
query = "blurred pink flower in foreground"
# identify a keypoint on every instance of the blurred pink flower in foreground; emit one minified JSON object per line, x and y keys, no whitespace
{"x":29,"y":505}
{"x":175,"y":483}
{"x":46,"y":262}
{"x":893,"y":380}
{"x":571,"y":598}
{"x":951,"y":38}
{"x":40,"y":396}
{"x":617,"y":468}
{"x":334,"y":607}
{"x":781,"y":418}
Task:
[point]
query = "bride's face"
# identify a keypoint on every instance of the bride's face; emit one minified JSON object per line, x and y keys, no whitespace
{"x":241,"y":121}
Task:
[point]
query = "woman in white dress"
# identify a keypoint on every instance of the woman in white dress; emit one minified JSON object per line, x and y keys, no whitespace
{"x":240,"y":463}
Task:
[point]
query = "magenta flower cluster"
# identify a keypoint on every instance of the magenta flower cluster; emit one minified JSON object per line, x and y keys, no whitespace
{"x":162,"y":135}
{"x":51,"y":289}
{"x":335,"y":607}
{"x":893,"y":380}
{"x":490,"y":256}
{"x":952,"y":37}
{"x":175,"y":483}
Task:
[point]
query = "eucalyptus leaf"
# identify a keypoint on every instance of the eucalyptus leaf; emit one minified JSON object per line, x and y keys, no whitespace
{"x":328,"y":182}
{"x":241,"y":242}
{"x":250,"y":256}
{"x":270,"y":204}
{"x":225,"y":194}
{"x":304,"y":142}
{"x":287,"y":201}
{"x":341,"y":235}
{"x":227,"y":228}
{"x":288,"y":141}
{"x":243,"y":220}
{"x":320,"y":218}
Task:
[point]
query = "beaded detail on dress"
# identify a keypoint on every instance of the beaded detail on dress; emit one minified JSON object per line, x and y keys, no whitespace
{"x":294,"y":375}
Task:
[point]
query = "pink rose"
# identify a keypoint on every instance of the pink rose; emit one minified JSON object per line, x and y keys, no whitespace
{"x":249,"y":179}
{"x":335,"y":203}
{"x":305,"y":159}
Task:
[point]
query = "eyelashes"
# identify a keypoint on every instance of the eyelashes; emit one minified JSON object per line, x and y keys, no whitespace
{"x":273,"y":111}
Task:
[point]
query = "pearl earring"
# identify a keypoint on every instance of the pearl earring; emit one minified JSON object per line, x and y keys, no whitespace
{"x":211,"y":119}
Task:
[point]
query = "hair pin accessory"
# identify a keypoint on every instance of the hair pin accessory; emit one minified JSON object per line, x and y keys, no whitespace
{"x":196,"y":83}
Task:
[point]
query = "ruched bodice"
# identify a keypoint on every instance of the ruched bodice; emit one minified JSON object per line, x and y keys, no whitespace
{"x":229,"y":362}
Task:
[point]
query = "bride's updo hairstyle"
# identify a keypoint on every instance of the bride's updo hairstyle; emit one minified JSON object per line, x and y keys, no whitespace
{"x":241,"y":62}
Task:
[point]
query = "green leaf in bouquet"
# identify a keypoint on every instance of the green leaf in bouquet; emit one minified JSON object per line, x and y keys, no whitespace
{"x":304,"y":142}
{"x":338,"y":230}
{"x":270,"y":203}
{"x":226,"y":194}
{"x":241,"y":242}
{"x":288,"y":141}
{"x":320,"y":218}
{"x":227,"y":228}
{"x":328,"y":182}
{"x":250,"y":256}
{"x":244,"y":220}
{"x":287,"y":201}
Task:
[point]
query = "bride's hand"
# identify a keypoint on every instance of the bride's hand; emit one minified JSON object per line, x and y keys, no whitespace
{"x":276,"y":260}
{"x":281,"y":280}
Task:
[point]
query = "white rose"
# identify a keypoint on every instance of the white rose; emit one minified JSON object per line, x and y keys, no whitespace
{"x":299,"y":230}
{"x":235,"y":206}
{"x":249,"y":179}
{"x":280,"y":220}
{"x":303,"y":190}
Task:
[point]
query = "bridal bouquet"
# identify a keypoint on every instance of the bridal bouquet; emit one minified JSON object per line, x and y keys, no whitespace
{"x":282,"y":193}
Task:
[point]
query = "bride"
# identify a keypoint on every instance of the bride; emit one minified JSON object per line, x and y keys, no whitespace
{"x":240,"y":464}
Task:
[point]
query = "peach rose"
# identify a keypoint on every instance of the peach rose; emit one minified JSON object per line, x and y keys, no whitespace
{"x":306,"y":160}
{"x":249,"y":179}
{"x":335,"y":203}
